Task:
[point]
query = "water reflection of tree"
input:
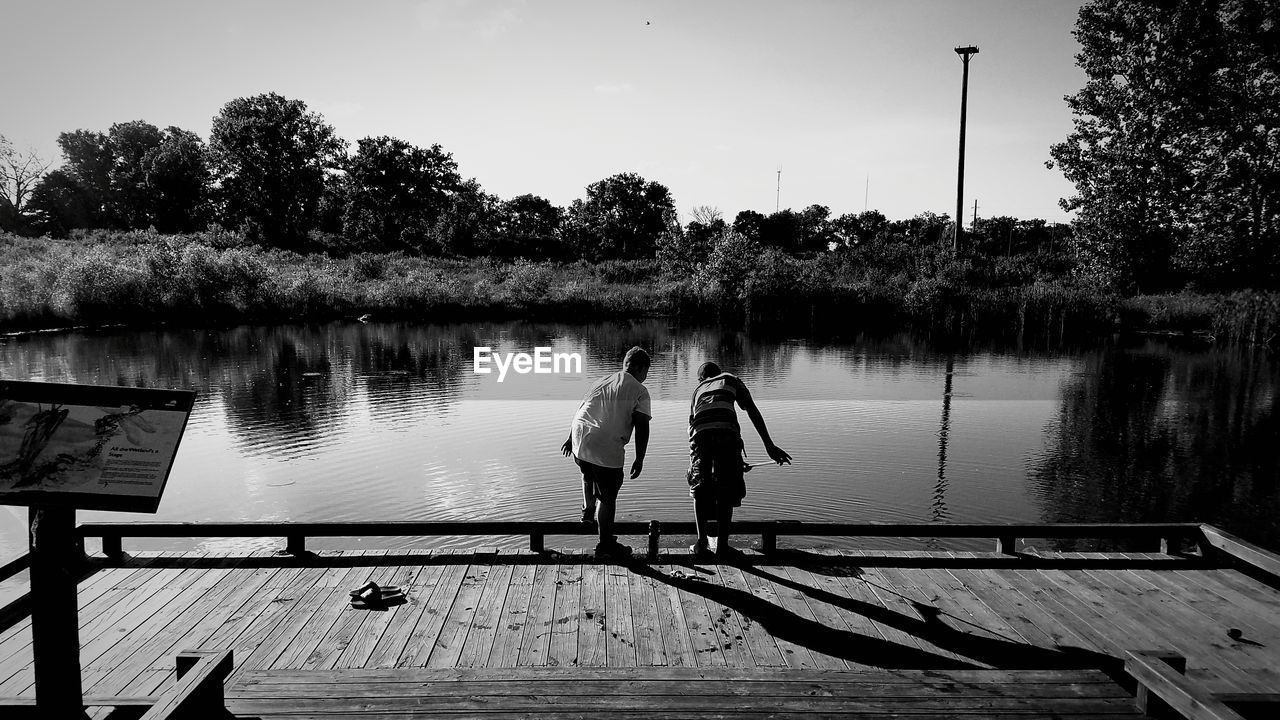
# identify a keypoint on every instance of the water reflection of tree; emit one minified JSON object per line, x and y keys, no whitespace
{"x":1158,"y":434}
{"x":291,"y":394}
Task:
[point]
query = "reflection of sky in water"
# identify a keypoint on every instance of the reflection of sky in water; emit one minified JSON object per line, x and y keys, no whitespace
{"x":387,"y":422}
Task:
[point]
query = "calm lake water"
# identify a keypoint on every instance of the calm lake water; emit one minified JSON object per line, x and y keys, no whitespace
{"x":346,"y":421}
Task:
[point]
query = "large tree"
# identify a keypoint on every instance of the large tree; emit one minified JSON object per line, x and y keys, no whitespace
{"x":176,"y":173}
{"x":867,"y":227}
{"x":86,"y":174}
{"x":396,"y":191}
{"x":468,"y":225}
{"x":270,"y":156}
{"x":1175,"y":152}
{"x":622,"y":217}
{"x":19,"y":173}
{"x":60,"y":203}
{"x":130,"y":201}
{"x":529,"y":226}
{"x":132,"y":176}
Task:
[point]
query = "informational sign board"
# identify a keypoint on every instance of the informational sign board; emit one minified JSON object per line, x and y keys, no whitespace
{"x":87,"y":446}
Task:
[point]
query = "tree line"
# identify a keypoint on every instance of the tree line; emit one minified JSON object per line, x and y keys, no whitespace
{"x":276,"y":172}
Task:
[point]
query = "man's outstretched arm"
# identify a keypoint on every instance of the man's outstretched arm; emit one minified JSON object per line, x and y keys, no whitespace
{"x":775,"y":453}
{"x":641,"y":423}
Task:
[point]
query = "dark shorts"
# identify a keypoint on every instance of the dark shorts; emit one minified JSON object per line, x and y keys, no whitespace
{"x":715,"y":466}
{"x":605,"y":482}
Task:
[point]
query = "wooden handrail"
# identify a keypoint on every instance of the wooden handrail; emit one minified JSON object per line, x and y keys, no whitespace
{"x":15,"y":566}
{"x":1168,"y":534}
{"x":1161,"y":675}
{"x":1247,"y":553}
{"x":198,"y":693}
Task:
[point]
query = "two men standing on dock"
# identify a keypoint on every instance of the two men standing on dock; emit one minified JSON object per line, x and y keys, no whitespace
{"x":618,"y":403}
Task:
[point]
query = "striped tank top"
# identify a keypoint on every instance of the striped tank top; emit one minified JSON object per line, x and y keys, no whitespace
{"x":712,"y":407}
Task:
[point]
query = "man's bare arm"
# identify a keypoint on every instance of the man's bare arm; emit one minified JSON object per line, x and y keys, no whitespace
{"x":641,"y":423}
{"x":748,"y":403}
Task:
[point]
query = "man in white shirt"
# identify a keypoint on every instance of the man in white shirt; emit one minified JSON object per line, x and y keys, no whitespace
{"x":601,"y":428}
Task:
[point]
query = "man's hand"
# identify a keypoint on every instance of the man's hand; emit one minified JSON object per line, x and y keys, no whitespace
{"x":777,"y":454}
{"x":637,"y":467}
{"x":567,"y":447}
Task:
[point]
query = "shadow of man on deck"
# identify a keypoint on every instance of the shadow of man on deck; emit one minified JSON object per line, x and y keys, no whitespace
{"x":786,"y":625}
{"x":867,"y":650}
{"x":997,"y":653}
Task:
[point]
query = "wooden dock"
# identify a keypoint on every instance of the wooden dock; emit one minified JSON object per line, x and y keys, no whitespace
{"x":787,"y":634}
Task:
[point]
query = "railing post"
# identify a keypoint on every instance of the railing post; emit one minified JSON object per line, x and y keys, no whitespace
{"x":768,"y":542}
{"x":55,"y":634}
{"x":535,"y":542}
{"x":1146,"y":701}
{"x":1007,"y":544}
{"x":113,"y":546}
{"x":296,"y":544}
{"x":655,"y":532}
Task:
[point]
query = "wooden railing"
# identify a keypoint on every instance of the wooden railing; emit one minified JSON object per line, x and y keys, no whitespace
{"x":198,"y":691}
{"x":1167,"y":536}
{"x":15,"y":566}
{"x":1215,"y":542}
{"x":1161,"y":680}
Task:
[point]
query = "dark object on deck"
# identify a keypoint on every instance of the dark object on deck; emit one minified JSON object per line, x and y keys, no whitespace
{"x":371,"y":596}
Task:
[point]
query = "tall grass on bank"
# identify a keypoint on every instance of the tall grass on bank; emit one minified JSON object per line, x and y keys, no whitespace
{"x":1248,"y":316}
{"x":138,"y":278}
{"x":134,"y":278}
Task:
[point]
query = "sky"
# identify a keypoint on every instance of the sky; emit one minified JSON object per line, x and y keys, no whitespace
{"x":857,"y":102}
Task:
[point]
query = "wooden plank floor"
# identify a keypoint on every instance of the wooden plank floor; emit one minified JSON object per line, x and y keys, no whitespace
{"x":811,"y":611}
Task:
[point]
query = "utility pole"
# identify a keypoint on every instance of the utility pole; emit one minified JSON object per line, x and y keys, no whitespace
{"x":974,"y":225}
{"x":777,"y":202}
{"x":964,"y":54}
{"x":866,"y":193}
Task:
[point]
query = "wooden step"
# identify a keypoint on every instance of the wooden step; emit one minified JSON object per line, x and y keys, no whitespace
{"x":658,"y":692}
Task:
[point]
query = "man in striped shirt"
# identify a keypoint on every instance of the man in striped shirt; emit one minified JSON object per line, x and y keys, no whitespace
{"x":716,"y":465}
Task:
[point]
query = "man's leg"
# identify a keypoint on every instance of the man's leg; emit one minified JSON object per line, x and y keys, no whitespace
{"x":588,"y":500}
{"x":730,"y":490}
{"x":724,"y":517}
{"x":608,"y":483}
{"x":704,"y":504}
{"x":605,"y":508}
{"x":703,"y":511}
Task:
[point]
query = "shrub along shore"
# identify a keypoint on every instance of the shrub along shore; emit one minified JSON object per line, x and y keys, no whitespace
{"x":214,"y":278}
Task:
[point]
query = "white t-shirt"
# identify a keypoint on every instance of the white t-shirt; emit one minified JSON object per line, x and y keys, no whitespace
{"x":602,"y":425}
